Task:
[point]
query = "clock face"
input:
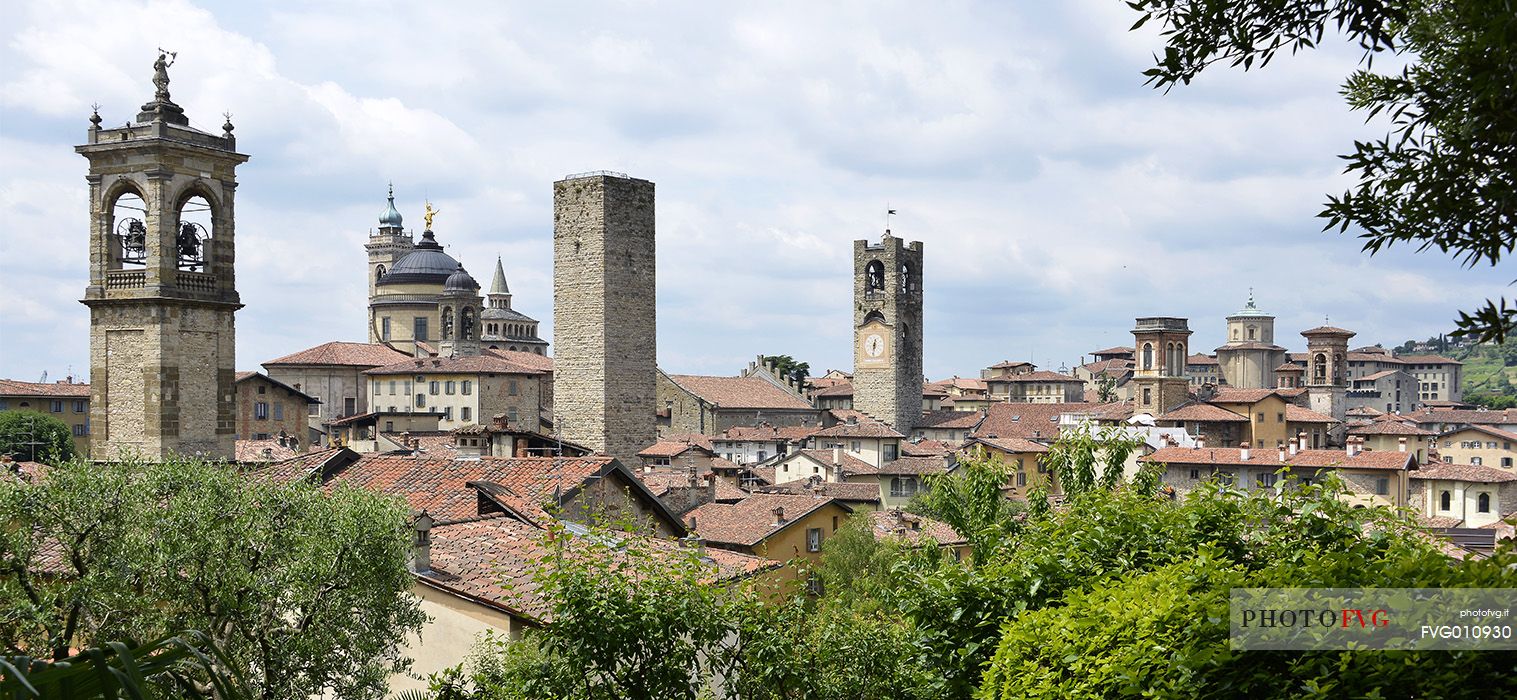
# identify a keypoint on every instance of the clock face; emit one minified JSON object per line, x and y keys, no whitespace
{"x":874,"y":345}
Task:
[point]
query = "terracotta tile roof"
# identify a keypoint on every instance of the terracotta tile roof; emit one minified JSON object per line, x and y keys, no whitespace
{"x":1228,"y":394}
{"x":1374,"y":357}
{"x":1014,"y":445}
{"x":1363,"y":412}
{"x":1196,"y":411}
{"x":1389,"y":427}
{"x":672,"y":448}
{"x":342,"y":353}
{"x":862,"y":427}
{"x":1290,"y":367}
{"x":1377,"y":375}
{"x":924,"y":448}
{"x":525,"y":359}
{"x":951,"y":420}
{"x":752,"y":520}
{"x":912,"y":528}
{"x":441,"y":486}
{"x":468,"y":364}
{"x":1437,"y":521}
{"x":766,"y":433}
{"x":493,"y":560}
{"x":1428,"y":360}
{"x":1108,"y":366}
{"x":245,"y":376}
{"x":1030,"y":420}
{"x":251,"y":451}
{"x":836,"y":390}
{"x":1041,"y":375}
{"x":1298,"y":414}
{"x":1443,"y":471}
{"x":1200,"y":359}
{"x":697,"y":439}
{"x":1485,"y":429}
{"x":1472,"y":417}
{"x":304,"y":465}
{"x":1232,"y":456}
{"x":739,"y":392}
{"x":1011,"y":364}
{"x":429,"y":443}
{"x":914,"y":466}
{"x":1327,"y":330}
{"x":850,"y":492}
{"x":659,"y":481}
{"x":11,"y":387}
{"x":1118,"y":350}
{"x":851,"y":464}
{"x":964,"y":383}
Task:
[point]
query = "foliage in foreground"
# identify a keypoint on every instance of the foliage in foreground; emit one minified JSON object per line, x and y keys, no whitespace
{"x":188,"y":665}
{"x":1120,"y":593}
{"x":1445,"y":177}
{"x":29,"y":436}
{"x":305,"y":592}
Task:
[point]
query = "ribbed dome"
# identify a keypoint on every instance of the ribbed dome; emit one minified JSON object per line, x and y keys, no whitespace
{"x":460,"y":281}
{"x":426,"y":264}
{"x":391,"y":217}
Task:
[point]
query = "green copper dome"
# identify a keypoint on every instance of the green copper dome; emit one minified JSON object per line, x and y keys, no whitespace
{"x":391,"y":217}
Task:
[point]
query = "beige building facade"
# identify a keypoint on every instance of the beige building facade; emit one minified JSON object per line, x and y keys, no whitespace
{"x":66,"y":400}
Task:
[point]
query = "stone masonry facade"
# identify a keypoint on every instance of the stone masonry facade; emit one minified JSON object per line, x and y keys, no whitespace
{"x":887,"y":288}
{"x":604,"y":330}
{"x":162,"y":336}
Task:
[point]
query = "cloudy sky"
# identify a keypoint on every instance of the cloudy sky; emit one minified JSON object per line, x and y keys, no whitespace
{"x":1058,"y":197}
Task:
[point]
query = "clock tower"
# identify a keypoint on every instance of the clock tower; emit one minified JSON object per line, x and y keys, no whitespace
{"x":887,"y":331}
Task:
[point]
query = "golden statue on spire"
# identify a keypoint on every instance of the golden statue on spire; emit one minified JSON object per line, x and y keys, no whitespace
{"x":428,"y":216}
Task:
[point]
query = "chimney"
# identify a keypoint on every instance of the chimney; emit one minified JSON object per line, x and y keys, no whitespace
{"x":1301,"y":437}
{"x":694,"y":476}
{"x":1281,"y":449}
{"x":268,"y":453}
{"x":1200,"y":442}
{"x":421,"y":545}
{"x":1243,"y":451}
{"x":779,"y":516}
{"x":837,"y":455}
{"x":1401,"y":444}
{"x":1350,"y":446}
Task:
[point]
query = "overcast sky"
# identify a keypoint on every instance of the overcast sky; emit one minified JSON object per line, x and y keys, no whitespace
{"x":1057,"y":196}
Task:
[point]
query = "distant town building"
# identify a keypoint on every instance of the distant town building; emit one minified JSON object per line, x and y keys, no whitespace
{"x":66,"y":400}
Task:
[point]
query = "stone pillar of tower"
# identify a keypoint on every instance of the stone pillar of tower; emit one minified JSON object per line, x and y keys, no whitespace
{"x":387,"y":244}
{"x":1161,"y":344}
{"x":1327,"y":370}
{"x":459,"y":310}
{"x":603,"y":313}
{"x":887,"y":331}
{"x":162,"y":291}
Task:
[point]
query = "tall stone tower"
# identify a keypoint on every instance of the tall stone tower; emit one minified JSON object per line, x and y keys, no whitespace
{"x":162,"y":290}
{"x":459,"y":310}
{"x":1249,"y":358}
{"x":603,"y":313}
{"x":1327,"y":369}
{"x":388,"y":243}
{"x":1161,"y":344}
{"x":887,"y":331}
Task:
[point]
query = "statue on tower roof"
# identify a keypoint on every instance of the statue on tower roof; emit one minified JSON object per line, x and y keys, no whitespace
{"x":428,"y":215}
{"x":161,"y":74}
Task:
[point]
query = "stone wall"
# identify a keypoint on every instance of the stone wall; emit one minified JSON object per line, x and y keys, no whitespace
{"x":604,"y":328}
{"x":891,"y":392}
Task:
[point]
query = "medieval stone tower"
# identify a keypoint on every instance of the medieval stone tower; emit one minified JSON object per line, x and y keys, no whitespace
{"x":162,"y":288}
{"x":459,"y":308}
{"x":388,"y":244}
{"x":1161,"y":344}
{"x":1327,"y":369}
{"x":603,"y":313}
{"x":887,"y":331}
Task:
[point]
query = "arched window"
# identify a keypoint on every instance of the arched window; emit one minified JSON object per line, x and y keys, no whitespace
{"x":908,"y":278}
{"x":447,"y":324}
{"x":874,"y":275}
{"x":1319,"y":367}
{"x":379,"y":272}
{"x":1443,"y":500}
{"x":127,"y":228}
{"x":466,"y":324}
{"x":192,"y":233}
{"x":1235,"y":334}
{"x":1483,"y":503}
{"x":1148,"y":356}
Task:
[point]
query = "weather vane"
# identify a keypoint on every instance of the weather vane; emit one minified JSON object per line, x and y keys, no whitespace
{"x":888,"y":213}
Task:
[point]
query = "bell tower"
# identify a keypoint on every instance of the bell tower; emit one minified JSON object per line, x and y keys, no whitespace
{"x":887,"y":331}
{"x":1161,"y":344}
{"x":1327,"y":369}
{"x":459,"y":310}
{"x":386,"y":245}
{"x":162,"y":289}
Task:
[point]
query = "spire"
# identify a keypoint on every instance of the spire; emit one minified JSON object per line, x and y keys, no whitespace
{"x":391,"y":217}
{"x":499,"y":285}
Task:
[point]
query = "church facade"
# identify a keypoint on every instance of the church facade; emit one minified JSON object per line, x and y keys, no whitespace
{"x":409,"y":299}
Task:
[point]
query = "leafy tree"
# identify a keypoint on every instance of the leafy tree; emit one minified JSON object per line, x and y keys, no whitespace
{"x":29,"y":436}
{"x":1445,"y":178}
{"x":789,"y":367}
{"x":306,"y":592}
{"x":1106,"y":388}
{"x":970,"y":500}
{"x":1492,"y":401}
{"x":188,"y":665}
{"x":1086,"y":458}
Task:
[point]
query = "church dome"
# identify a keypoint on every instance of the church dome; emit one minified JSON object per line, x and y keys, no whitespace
{"x":425,"y":264}
{"x":460,"y":281}
{"x":391,"y":216}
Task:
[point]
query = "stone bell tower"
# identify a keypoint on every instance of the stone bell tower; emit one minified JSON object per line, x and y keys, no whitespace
{"x":1161,"y":344}
{"x":459,"y":311}
{"x":1327,"y":370}
{"x":162,"y":289}
{"x":887,"y":331}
